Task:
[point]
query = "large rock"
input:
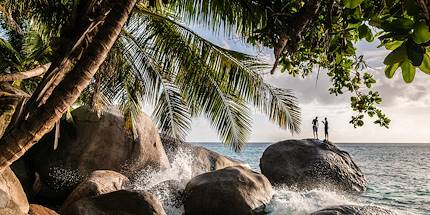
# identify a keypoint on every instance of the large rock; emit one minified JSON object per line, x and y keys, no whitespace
{"x":122,"y":202}
{"x":40,"y":210}
{"x":354,"y":209}
{"x":311,"y":164}
{"x":11,"y":98}
{"x":229,"y":191}
{"x":91,"y":142}
{"x":8,"y":211}
{"x":12,"y":196}
{"x":99,"y":182}
{"x":203,"y":160}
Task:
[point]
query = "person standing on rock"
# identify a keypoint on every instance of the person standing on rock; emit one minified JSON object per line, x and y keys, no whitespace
{"x":315,"y":127}
{"x":325,"y":122}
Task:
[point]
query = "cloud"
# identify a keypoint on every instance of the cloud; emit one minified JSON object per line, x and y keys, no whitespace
{"x":408,"y":105}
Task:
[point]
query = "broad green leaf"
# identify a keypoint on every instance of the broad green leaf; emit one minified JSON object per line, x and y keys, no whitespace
{"x":421,"y":33}
{"x":393,"y":45}
{"x":415,"y":53}
{"x":390,"y":70}
{"x":425,"y":65}
{"x":399,"y":26}
{"x":351,"y":4}
{"x":398,"y":55}
{"x":408,"y":71}
{"x":365,"y":32}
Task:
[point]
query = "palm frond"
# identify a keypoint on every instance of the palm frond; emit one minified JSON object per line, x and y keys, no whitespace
{"x":209,"y":75}
{"x":11,"y":58}
{"x":36,"y":46}
{"x":52,"y":13}
{"x":231,"y":16}
{"x":171,"y":113}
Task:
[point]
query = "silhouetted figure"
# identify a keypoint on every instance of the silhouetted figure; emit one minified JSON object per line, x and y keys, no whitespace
{"x":325,"y":122}
{"x":315,"y":127}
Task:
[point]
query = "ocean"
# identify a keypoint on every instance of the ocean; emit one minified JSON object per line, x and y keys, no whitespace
{"x":398,"y":175}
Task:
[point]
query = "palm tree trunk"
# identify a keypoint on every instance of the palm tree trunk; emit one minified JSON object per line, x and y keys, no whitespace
{"x":25,"y":75}
{"x":20,"y":138}
{"x":84,"y":31}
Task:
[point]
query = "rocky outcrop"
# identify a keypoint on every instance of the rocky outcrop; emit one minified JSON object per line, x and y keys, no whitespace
{"x":229,"y":191}
{"x":12,"y":196}
{"x":311,"y":164}
{"x":8,"y":211}
{"x":203,"y":160}
{"x":11,"y":98}
{"x":354,"y":209}
{"x":99,"y":182}
{"x":40,"y":210}
{"x":91,"y":142}
{"x":119,"y":202}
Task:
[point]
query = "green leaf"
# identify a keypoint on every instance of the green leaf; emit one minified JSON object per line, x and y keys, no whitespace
{"x":351,"y":4}
{"x":408,"y":71}
{"x":421,"y":33}
{"x":415,"y":53}
{"x":393,"y":45}
{"x":390,"y":70}
{"x":365,"y":32}
{"x":425,"y":65}
{"x":398,"y":55}
{"x":398,"y":26}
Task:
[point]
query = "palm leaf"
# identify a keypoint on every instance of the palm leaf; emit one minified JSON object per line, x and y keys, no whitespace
{"x":209,"y":76}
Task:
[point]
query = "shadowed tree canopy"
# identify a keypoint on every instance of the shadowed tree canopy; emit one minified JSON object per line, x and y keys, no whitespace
{"x":130,"y":51}
{"x":309,"y":35}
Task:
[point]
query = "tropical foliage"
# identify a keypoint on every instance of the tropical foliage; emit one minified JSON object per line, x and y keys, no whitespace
{"x":159,"y":61}
{"x":307,"y":35}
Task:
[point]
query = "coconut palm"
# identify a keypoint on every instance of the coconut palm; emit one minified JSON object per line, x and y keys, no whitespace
{"x":156,"y":59}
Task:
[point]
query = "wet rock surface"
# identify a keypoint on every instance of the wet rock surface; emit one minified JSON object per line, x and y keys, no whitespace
{"x":203,"y":160}
{"x":124,"y":202}
{"x":91,"y":142}
{"x":229,"y":191}
{"x":311,"y":164}
{"x":99,"y":182}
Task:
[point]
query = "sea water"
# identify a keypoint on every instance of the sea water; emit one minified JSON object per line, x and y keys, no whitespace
{"x":398,"y":175}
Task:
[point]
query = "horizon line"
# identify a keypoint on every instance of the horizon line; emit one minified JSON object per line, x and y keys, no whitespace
{"x":259,"y":142}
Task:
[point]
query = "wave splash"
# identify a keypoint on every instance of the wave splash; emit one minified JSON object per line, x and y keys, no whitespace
{"x":289,"y":201}
{"x":169,"y":184}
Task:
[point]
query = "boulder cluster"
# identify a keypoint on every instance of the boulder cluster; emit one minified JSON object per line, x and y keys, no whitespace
{"x":87,"y":169}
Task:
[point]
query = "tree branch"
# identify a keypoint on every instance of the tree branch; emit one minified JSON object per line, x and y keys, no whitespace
{"x":299,"y":23}
{"x":25,"y":75}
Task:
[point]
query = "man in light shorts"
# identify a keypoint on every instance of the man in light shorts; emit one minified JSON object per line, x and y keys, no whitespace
{"x":315,"y":127}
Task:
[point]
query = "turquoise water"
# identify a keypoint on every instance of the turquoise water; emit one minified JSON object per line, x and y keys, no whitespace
{"x":398,"y":175}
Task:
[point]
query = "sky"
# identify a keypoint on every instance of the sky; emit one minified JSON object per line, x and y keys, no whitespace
{"x":407,"y":105}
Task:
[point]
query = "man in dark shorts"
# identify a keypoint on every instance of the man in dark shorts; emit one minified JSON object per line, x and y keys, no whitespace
{"x":325,"y":122}
{"x":315,"y":127}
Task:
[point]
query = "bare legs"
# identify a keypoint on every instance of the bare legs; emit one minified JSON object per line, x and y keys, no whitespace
{"x":315,"y":133}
